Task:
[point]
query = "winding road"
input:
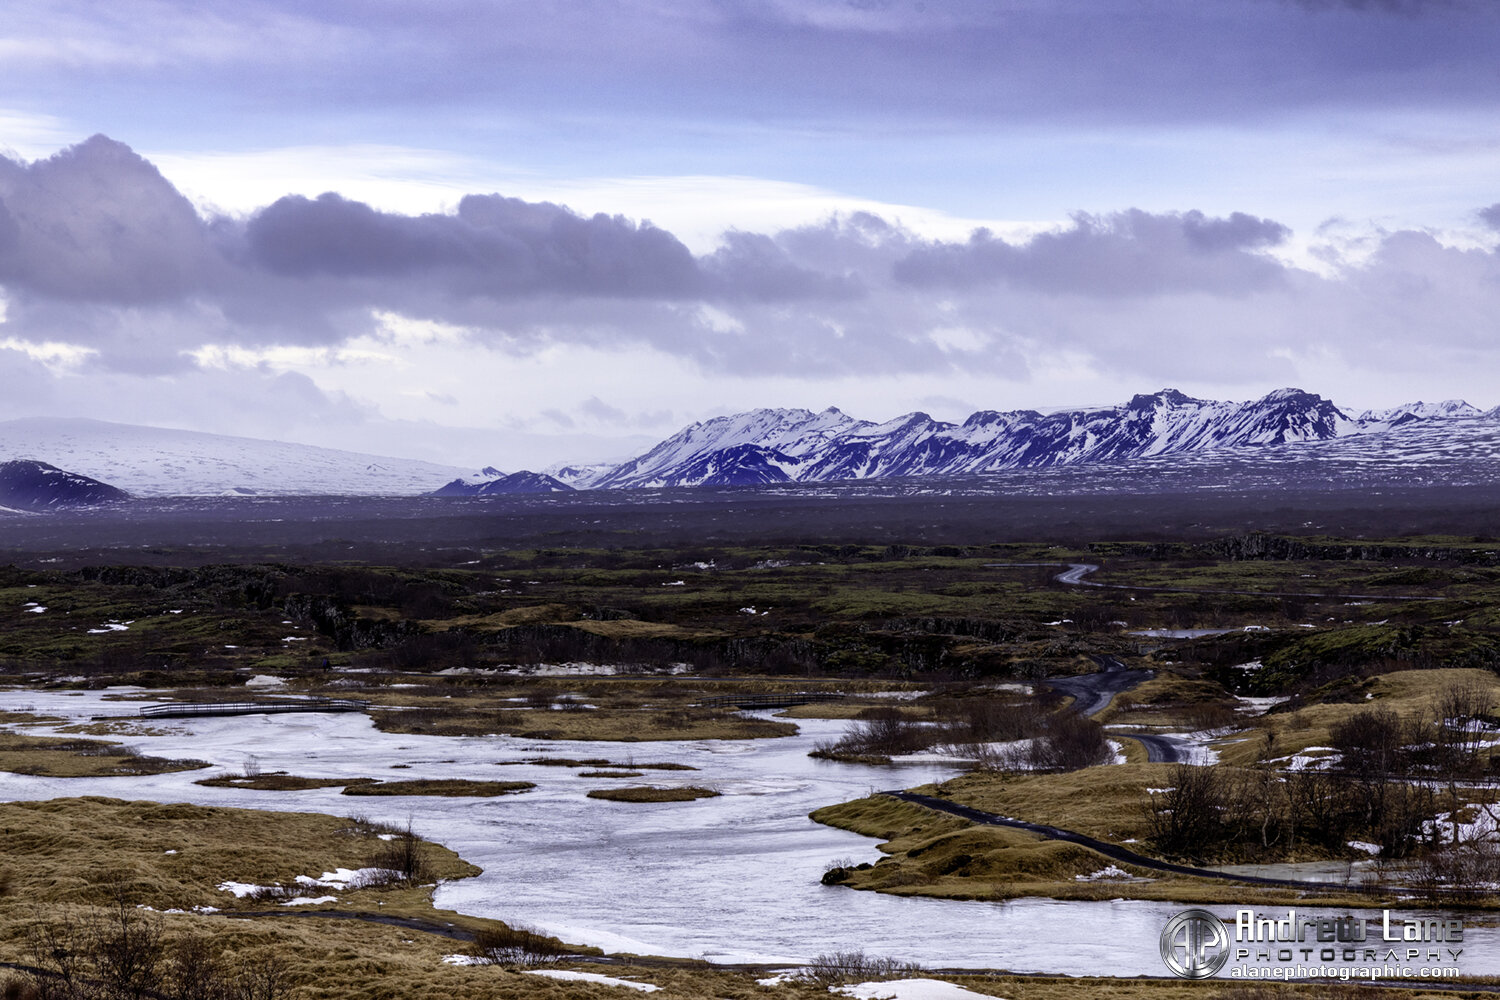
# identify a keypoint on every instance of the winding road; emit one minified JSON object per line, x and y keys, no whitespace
{"x":1092,"y":694}
{"x":1074,"y":575}
{"x":1113,"y":851}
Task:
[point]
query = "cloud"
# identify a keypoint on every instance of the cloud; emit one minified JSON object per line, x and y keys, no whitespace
{"x":1491,"y":216}
{"x":1128,"y":253}
{"x":96,"y":222}
{"x":492,"y":246}
{"x":100,"y":251}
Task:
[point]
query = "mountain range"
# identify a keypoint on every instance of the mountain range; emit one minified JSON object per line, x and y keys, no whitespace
{"x":774,"y":446}
{"x":780,"y":446}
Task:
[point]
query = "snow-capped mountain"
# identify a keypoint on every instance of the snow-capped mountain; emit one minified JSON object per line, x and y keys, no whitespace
{"x":774,"y":446}
{"x":152,"y":461}
{"x":33,"y":486}
{"x":1418,"y":411}
{"x":490,"y":481}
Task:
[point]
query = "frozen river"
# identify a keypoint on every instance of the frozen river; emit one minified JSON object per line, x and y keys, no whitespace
{"x":729,"y":879}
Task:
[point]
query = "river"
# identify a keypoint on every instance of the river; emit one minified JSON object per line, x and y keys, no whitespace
{"x":729,"y":879}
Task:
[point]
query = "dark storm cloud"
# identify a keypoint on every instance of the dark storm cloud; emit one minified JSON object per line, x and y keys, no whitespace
{"x":1123,"y":254}
{"x":492,"y":246}
{"x":1491,"y":216}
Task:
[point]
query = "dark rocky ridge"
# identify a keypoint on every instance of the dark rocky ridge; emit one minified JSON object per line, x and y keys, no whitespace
{"x":36,"y":486}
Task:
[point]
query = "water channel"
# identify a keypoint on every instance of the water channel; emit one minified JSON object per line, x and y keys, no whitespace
{"x":729,"y":879}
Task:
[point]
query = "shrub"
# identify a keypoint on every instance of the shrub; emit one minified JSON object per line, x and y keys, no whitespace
{"x":517,"y":947}
{"x":404,"y":857}
{"x":833,"y":968}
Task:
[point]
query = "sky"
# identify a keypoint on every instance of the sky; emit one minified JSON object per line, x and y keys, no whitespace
{"x":513,"y":234}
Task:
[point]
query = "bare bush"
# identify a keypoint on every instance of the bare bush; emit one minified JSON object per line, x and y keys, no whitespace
{"x":1371,"y":743}
{"x":1458,"y":866}
{"x":403,"y":855}
{"x":882,"y":732}
{"x":517,"y":947}
{"x":1187,"y":817}
{"x":1069,"y":742}
{"x":837,"y":967}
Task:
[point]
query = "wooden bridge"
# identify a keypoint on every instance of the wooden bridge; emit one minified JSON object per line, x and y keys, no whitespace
{"x":184,"y":709}
{"x":770,"y":700}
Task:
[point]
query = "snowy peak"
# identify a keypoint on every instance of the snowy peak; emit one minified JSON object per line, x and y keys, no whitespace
{"x":491,"y":481}
{"x":34,"y":486}
{"x":1446,"y":410}
{"x":767,"y":446}
{"x":792,"y":434}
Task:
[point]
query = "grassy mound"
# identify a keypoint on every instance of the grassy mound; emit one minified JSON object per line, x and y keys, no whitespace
{"x":56,"y":757}
{"x":648,"y":793}
{"x":278,"y":782}
{"x":456,"y":787}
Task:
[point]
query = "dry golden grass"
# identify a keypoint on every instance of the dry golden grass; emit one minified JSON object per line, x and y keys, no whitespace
{"x":27,"y":718}
{"x":650,"y":793}
{"x":65,"y":850}
{"x":57,"y":757}
{"x":278,"y":782}
{"x":602,"y":762}
{"x":610,"y":774}
{"x":61,"y":854}
{"x":1103,"y":802}
{"x":609,"y":725}
{"x":1409,"y":693}
{"x":851,"y":709}
{"x":937,"y":855}
{"x":451,"y":787}
{"x":117,"y":727}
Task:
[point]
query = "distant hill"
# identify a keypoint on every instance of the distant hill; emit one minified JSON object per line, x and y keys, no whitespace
{"x":34,"y":486}
{"x":492,"y":481}
{"x":152,"y":461}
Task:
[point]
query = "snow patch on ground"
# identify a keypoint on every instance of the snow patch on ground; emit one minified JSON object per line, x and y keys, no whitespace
{"x":906,"y":989}
{"x":1108,"y":873}
{"x":592,"y":977}
{"x":1306,"y":761}
{"x":348,"y":878}
{"x":108,"y":627}
{"x":240,"y":889}
{"x":1194,"y":747}
{"x":265,"y":681}
{"x":310,"y":900}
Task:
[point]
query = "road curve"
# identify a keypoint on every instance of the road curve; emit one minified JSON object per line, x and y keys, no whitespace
{"x":1092,"y":693}
{"x":1113,"y":851}
{"x":1159,"y":749}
